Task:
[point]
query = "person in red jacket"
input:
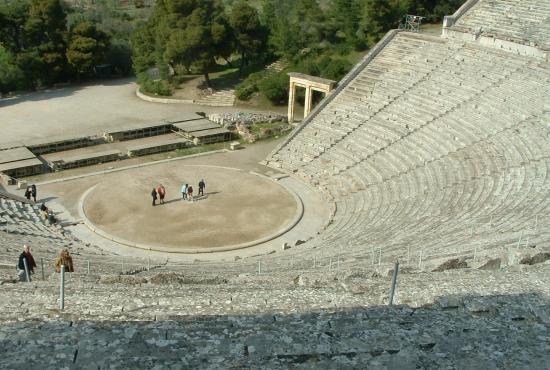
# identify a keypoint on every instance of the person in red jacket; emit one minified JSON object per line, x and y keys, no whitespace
{"x":190,"y":193}
{"x":161,"y":190}
{"x":27,"y":257}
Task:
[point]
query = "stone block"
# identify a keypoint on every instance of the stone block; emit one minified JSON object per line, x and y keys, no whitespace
{"x":535,"y":259}
{"x":449,"y":302}
{"x":451,"y":264}
{"x":491,"y":264}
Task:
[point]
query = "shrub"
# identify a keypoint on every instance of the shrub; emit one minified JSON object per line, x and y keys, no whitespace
{"x":309,"y":66}
{"x":275,"y":87}
{"x":244,"y":91}
{"x":158,"y":87}
{"x":336,"y":69}
{"x":249,"y":86}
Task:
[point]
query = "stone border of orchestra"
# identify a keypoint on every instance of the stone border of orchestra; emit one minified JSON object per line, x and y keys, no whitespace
{"x":183,"y":250}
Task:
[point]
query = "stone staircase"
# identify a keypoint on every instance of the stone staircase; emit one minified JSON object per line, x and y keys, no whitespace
{"x":277,"y":66}
{"x":219,"y":98}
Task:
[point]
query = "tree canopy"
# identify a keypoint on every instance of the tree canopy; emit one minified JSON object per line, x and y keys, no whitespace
{"x":250,"y":35}
{"x":87,"y":47}
{"x":189,"y":33}
{"x":49,"y":41}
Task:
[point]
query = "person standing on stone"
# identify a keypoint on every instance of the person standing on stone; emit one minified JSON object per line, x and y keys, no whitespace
{"x":184,"y":191}
{"x":33,"y":192}
{"x":66,"y":260}
{"x":190,"y":193}
{"x":161,"y":190}
{"x":25,"y":256}
{"x":154,"y":195}
{"x":202,"y":185}
{"x":28,"y":193}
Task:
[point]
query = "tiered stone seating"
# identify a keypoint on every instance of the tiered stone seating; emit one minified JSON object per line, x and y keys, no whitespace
{"x":265,"y":321}
{"x":466,"y":142}
{"x":23,"y":218}
{"x":517,"y":19}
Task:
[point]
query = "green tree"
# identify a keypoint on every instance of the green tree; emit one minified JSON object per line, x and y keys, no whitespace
{"x":275,"y":87}
{"x":379,"y":16}
{"x":343,"y":21}
{"x":87,"y":47}
{"x":45,"y":33}
{"x":310,"y":20}
{"x":293,"y":25}
{"x":143,"y":49}
{"x":119,"y":56}
{"x":250,"y":35}
{"x":285,"y":39}
{"x":13,"y":16}
{"x":191,"y":33}
{"x":11,"y":76}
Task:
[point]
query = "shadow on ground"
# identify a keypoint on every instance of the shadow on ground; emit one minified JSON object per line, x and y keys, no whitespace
{"x":459,"y":332}
{"x":60,"y":92}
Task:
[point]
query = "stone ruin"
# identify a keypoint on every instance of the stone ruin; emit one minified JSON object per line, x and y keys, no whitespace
{"x":231,"y":120}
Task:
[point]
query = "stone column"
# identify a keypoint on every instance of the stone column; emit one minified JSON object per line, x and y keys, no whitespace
{"x":308,"y":101}
{"x":291,"y":101}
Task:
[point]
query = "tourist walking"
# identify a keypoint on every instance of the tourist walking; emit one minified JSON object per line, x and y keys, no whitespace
{"x":154,"y":195}
{"x":190,"y":193}
{"x":202,"y":185}
{"x":26,"y":256}
{"x":184,"y":191}
{"x":28,"y":193}
{"x":33,"y":192}
{"x":66,"y":260}
{"x":161,"y":190}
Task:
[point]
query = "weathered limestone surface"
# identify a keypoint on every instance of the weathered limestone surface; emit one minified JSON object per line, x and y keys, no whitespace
{"x":454,"y":319}
{"x":525,"y":20}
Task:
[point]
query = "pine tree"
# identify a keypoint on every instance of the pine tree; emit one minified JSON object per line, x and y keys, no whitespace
{"x":45,"y":34}
{"x":250,"y":36}
{"x":87,"y":47}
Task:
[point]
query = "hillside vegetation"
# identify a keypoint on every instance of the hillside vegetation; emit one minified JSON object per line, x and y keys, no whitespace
{"x":320,"y":38}
{"x":43,"y":42}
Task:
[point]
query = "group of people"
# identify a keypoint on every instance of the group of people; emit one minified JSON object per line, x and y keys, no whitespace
{"x":26,"y":258}
{"x":186,"y":192}
{"x":46,"y":213}
{"x":31,"y":192}
{"x":158,"y":192}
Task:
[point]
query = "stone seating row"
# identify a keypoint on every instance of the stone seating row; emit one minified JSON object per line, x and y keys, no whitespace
{"x":478,"y":193}
{"x":399,"y":83}
{"x":455,"y":134}
{"x":411,"y":110}
{"x":132,"y":326}
{"x":525,"y":20}
{"x":16,"y":209}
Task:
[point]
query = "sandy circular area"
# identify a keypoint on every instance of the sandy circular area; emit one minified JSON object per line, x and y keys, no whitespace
{"x":237,"y":208}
